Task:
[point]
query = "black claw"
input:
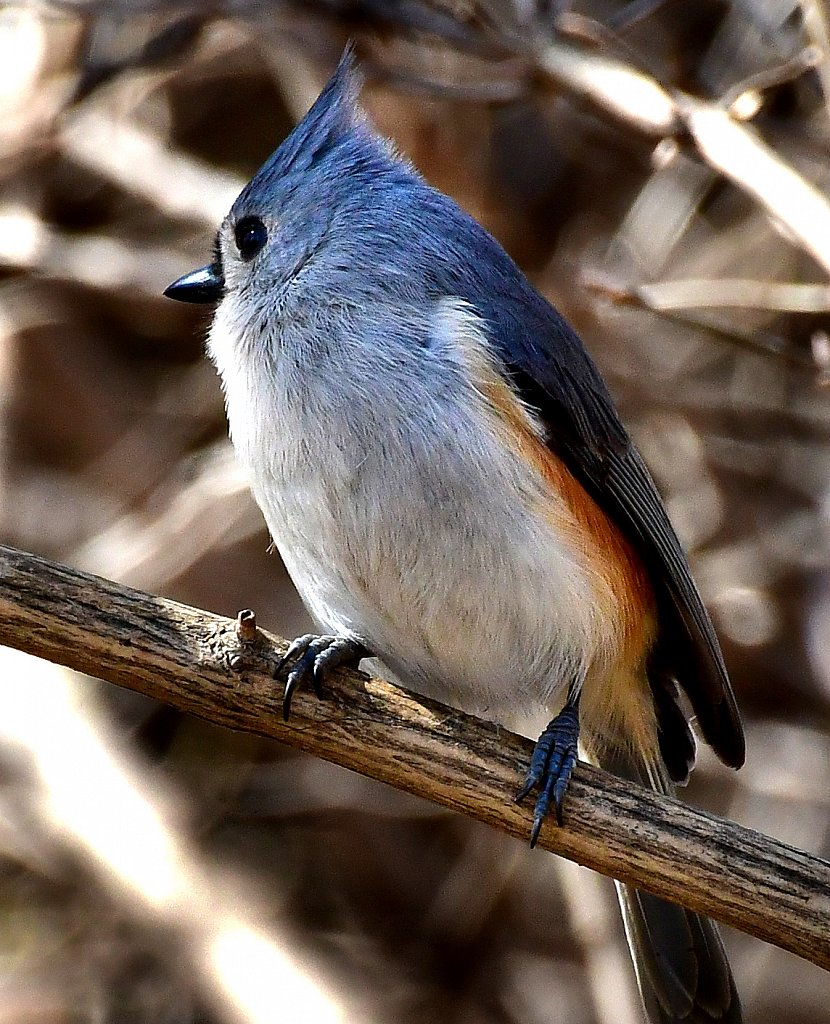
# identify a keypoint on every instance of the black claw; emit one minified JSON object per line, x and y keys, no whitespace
{"x":526,"y":788}
{"x":315,"y":656}
{"x":551,"y":766}
{"x":288,"y":693}
{"x":317,"y":680}
{"x":303,"y":667}
{"x":297,"y":647}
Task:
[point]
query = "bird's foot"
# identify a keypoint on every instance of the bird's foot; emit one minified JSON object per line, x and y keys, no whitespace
{"x":551,"y":766}
{"x":313,"y":657}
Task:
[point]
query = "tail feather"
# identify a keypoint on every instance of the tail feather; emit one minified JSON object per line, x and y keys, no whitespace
{"x":681,"y":966}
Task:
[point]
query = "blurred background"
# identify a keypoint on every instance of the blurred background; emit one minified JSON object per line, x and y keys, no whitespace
{"x":156,"y":869}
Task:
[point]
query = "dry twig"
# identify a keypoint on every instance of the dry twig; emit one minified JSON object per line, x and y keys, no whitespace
{"x":731,"y":148}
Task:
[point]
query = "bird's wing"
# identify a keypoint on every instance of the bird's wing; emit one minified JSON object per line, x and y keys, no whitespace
{"x":556,"y":377}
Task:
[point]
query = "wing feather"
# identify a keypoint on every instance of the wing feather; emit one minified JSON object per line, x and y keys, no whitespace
{"x":553,"y":373}
{"x":585,"y":432}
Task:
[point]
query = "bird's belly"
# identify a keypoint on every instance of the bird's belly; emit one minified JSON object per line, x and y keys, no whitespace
{"x":473,"y":599}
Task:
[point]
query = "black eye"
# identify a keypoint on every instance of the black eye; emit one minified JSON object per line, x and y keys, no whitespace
{"x":251,"y":235}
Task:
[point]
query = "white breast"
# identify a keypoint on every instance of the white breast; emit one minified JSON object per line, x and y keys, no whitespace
{"x":403,"y":518}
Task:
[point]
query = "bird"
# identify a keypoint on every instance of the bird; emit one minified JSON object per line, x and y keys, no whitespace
{"x":444,"y":473}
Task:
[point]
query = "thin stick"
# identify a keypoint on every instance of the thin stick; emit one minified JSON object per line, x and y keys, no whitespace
{"x":209,"y":666}
{"x":732,"y":148}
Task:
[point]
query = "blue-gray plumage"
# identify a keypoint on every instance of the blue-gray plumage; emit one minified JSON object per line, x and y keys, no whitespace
{"x":444,"y":473}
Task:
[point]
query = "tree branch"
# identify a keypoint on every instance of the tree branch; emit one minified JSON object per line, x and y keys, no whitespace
{"x":222,"y":671}
{"x":730,"y":147}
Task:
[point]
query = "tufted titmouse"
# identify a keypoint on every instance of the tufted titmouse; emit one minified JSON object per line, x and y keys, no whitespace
{"x":449,"y":485}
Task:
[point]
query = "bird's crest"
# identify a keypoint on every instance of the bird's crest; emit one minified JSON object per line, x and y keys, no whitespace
{"x":333,"y":116}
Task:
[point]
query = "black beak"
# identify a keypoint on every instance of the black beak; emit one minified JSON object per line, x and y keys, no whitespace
{"x":204,"y":285}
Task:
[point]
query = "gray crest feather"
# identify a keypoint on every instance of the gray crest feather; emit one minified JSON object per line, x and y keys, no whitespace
{"x":331,"y":118}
